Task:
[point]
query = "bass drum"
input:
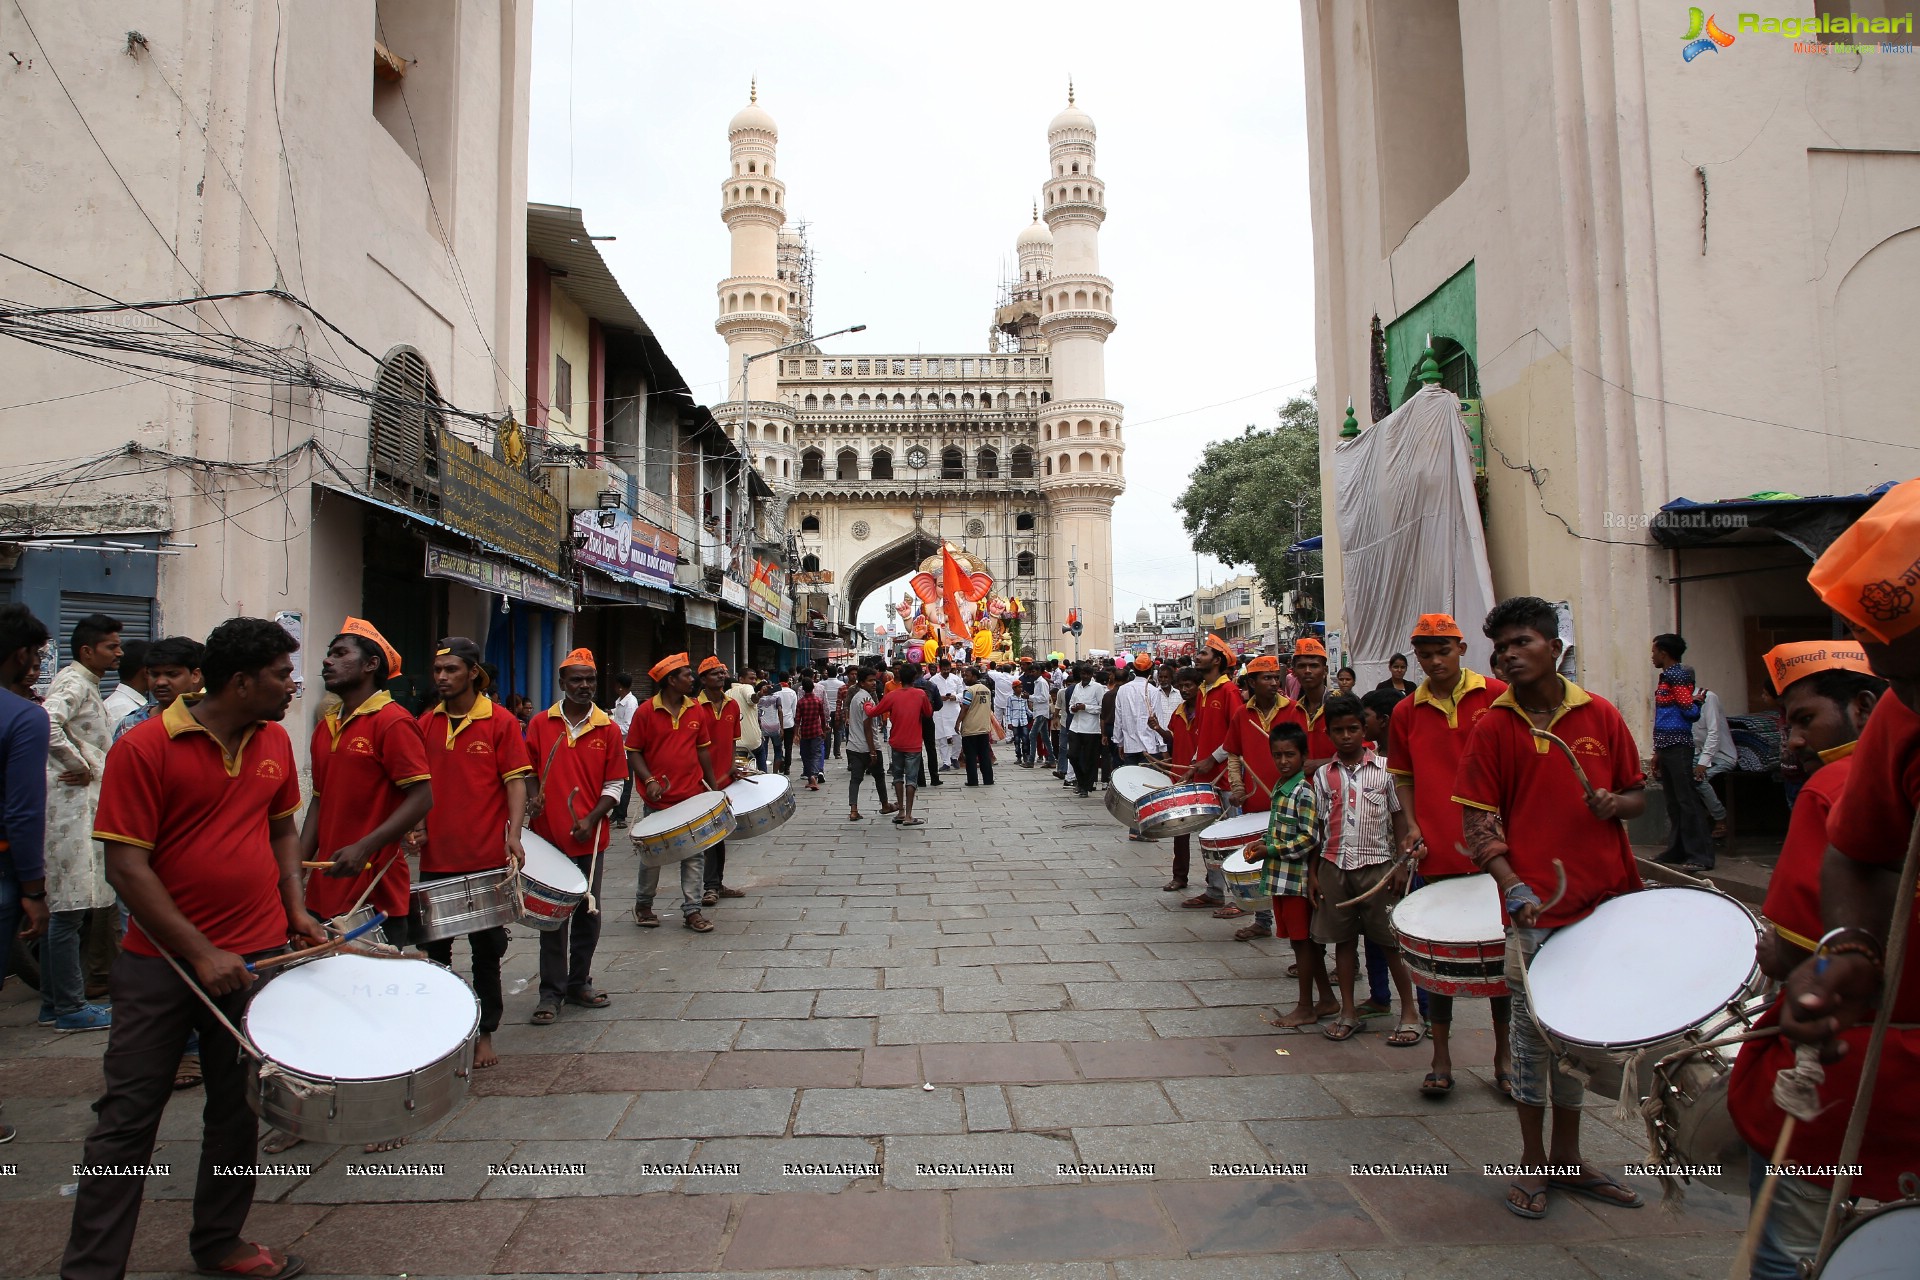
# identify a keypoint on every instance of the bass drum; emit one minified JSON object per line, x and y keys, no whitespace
{"x":1880,"y":1244}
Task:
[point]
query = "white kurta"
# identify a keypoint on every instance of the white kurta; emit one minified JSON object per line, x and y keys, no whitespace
{"x":946,"y":716}
{"x":82,"y":732}
{"x":1131,"y":705}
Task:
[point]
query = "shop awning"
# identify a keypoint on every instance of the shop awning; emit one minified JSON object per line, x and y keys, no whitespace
{"x":779,"y":634}
{"x":1809,"y":523}
{"x":504,"y":573}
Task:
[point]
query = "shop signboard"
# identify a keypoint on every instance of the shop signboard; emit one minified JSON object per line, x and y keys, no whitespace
{"x":631,"y":549}
{"x":496,"y":504}
{"x":700,"y":614}
{"x":767,"y":593}
{"x":498,"y":576}
{"x":815,"y":578}
{"x":733,"y":591}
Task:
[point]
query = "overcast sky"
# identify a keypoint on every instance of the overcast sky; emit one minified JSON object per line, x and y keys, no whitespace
{"x":913,"y":139}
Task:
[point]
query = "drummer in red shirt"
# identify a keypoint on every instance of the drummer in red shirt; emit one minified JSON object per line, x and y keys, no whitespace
{"x":670,"y":748}
{"x":1251,"y":773}
{"x":723,"y":726}
{"x":1425,"y":739}
{"x":1179,"y":763}
{"x":1524,"y":809}
{"x":371,"y":784}
{"x":477,"y":755}
{"x":1827,"y":693}
{"x":1219,"y":706}
{"x":1309,"y":666}
{"x":196,"y":812}
{"x":583,"y":762}
{"x":1868,"y":576}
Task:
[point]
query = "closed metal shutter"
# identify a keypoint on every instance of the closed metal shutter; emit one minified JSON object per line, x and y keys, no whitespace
{"x":134,"y":612}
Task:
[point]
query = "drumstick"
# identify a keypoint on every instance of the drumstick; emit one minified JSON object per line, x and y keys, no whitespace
{"x":1572,"y":759}
{"x":1398,"y":862}
{"x":315,"y":866}
{"x":312,"y":953}
{"x":1559,"y":869}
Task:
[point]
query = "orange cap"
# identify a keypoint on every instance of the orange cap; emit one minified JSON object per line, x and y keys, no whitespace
{"x":1265,"y":662}
{"x":711,"y":663}
{"x":1143,"y":662}
{"x":1308,"y":647}
{"x":1787,"y":663}
{"x":1437,"y":626}
{"x":579,"y":658}
{"x":367,"y":631}
{"x":667,"y":666}
{"x":1870,"y":573}
{"x":1221,"y":647}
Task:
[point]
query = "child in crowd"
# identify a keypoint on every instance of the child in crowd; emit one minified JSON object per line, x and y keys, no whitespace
{"x":1290,"y":849}
{"x":1360,"y":825}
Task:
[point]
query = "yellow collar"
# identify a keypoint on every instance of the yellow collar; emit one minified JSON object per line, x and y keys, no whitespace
{"x":685,"y":707}
{"x":482,"y":709}
{"x":1181,"y":711}
{"x":1469,"y":681}
{"x":1571,"y":696}
{"x":595,"y":718}
{"x":336,"y":726}
{"x":719,"y":703}
{"x":178,"y":719}
{"x":1266,"y":722}
{"x":1217,"y":682}
{"x":1840,"y":752}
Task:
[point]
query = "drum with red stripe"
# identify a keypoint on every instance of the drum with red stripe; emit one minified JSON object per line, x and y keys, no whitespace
{"x":1453,"y":938}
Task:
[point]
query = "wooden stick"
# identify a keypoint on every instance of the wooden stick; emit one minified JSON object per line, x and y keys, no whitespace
{"x":325,"y":948}
{"x":1392,"y":869}
{"x":1757,"y":1224}
{"x":1559,"y":869}
{"x":1572,"y":759}
{"x":316,"y":866}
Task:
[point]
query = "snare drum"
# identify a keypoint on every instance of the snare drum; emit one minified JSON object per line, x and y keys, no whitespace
{"x":367,"y":1049}
{"x":459,"y":905}
{"x":1452,"y":936}
{"x":340,"y":926}
{"x":1878,"y":1244}
{"x":1229,"y":836}
{"x":1152,"y":806}
{"x":1644,"y":975}
{"x":679,"y":831}
{"x":551,"y":886}
{"x":1248,"y":881}
{"x":760,"y":804}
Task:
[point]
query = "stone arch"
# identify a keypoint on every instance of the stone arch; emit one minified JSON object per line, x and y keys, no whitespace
{"x":987,"y":464}
{"x":1023,"y":522}
{"x":1019,"y":399}
{"x":1083,"y":428}
{"x":846,"y":465}
{"x":1001,"y":402}
{"x":1106,"y":461}
{"x":811,"y":403}
{"x":786,"y":435}
{"x":966,"y":400}
{"x":1025,"y":565}
{"x":1066,"y":464}
{"x":1080,"y":299}
{"x":1049,"y":466}
{"x":1085,"y":462}
{"x":949,"y":401}
{"x":915,"y":402}
{"x":866,"y":401}
{"x":880,"y":466}
{"x":883,"y":564}
{"x":953,"y":463}
{"x":1022,"y":463}
{"x":812,"y":465}
{"x":899,"y":400}
{"x":809,"y":563}
{"x":810,"y":524}
{"x":1106,"y":428}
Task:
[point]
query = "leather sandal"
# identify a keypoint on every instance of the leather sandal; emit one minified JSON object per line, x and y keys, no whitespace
{"x":699,"y":923}
{"x":588,"y":997}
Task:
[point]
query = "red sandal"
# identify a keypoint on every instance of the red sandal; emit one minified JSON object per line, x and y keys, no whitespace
{"x":260,"y":1266}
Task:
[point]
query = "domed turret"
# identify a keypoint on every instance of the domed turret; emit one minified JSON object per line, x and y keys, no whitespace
{"x":753,"y":116}
{"x":1036,"y":236}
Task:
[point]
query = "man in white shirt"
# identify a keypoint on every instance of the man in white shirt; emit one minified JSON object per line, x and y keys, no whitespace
{"x":741,"y":694}
{"x":1133,"y":707}
{"x":829,"y":690}
{"x":131,"y":693}
{"x":788,"y":700}
{"x":1002,"y":682}
{"x":946,"y":716}
{"x":1083,"y":698}
{"x":1162,"y":701}
{"x":1713,"y":755}
{"x":622,"y":714}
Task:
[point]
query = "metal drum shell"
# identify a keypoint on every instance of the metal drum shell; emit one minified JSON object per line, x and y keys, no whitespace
{"x":544,"y":906}
{"x":677,"y":844}
{"x":1473,"y":968}
{"x":1177,"y":810}
{"x":347,"y":1112}
{"x":459,"y":905}
{"x":1869,"y":1238}
{"x":764,"y":819}
{"x":1692,"y":1125}
{"x":340,"y":926}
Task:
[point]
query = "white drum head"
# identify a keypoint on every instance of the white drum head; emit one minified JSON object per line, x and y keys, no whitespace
{"x":757,"y":792}
{"x":1462,"y":910}
{"x":1237,"y":864}
{"x":1135,"y":780}
{"x":346,"y":1017}
{"x":689,"y":810}
{"x":1244,"y":827}
{"x":1643,"y":967}
{"x":1879,"y":1248}
{"x":549,"y":866}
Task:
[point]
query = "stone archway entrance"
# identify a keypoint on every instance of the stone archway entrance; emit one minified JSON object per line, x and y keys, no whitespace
{"x":895,"y":560}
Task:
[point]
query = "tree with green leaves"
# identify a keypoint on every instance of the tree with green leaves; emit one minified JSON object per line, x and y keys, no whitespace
{"x":1254,"y":495}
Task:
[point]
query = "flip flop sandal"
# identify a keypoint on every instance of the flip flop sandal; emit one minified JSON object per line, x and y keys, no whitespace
{"x":913,"y":822}
{"x":1436,"y":1085}
{"x":187,"y":1075}
{"x":1596,"y":1187}
{"x":588,"y":998}
{"x":1526,"y":1210}
{"x":274,"y":1143}
{"x":259,"y":1267}
{"x":544,"y":1014}
{"x":1397,"y":1037}
{"x":1228,"y":912}
{"x":1503,"y":1085}
{"x":1369,"y":1009}
{"x":1345,"y":1031}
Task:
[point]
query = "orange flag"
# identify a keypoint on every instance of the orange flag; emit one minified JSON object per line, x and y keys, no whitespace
{"x":954,"y":585}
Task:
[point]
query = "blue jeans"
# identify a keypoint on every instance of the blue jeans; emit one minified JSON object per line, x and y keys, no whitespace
{"x":813,"y":756}
{"x":693,"y":884}
{"x":1379,"y":984}
{"x":760,"y":756}
{"x":1022,"y":743}
{"x":1794,"y":1221}
{"x":63,"y":974}
{"x":9,"y":917}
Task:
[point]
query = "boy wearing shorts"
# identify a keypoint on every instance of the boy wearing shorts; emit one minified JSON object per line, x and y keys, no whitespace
{"x":1290,"y":848}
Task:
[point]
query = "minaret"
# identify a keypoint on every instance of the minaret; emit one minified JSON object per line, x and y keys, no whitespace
{"x":1080,"y":428}
{"x":1018,"y":315}
{"x":753,"y":303}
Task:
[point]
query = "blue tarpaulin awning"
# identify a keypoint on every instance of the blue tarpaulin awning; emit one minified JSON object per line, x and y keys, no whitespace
{"x":1305,"y":545}
{"x":1809,"y":523}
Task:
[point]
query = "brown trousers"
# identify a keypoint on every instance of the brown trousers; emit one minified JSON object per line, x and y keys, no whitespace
{"x":153,"y":1010}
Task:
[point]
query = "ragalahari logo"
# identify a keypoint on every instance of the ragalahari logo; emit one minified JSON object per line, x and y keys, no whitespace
{"x":1703,"y":35}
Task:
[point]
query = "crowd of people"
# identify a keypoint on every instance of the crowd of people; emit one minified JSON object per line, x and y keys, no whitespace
{"x":168,"y":808}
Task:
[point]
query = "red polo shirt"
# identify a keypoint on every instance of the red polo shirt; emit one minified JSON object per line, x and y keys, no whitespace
{"x":1183,"y":740}
{"x":1793,"y":892}
{"x":471,"y":759}
{"x":1219,"y":706}
{"x":583,"y":765}
{"x":1425,"y":740}
{"x":671,"y":745}
{"x":904,"y":708}
{"x":362,"y":768}
{"x":1319,"y":744}
{"x":1247,"y":737}
{"x":1530,"y":784}
{"x":723,"y":726}
{"x":171,"y":788}
{"x":1869,"y":823}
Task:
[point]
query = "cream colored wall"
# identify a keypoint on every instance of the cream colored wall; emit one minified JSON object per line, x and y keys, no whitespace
{"x":572,"y":342}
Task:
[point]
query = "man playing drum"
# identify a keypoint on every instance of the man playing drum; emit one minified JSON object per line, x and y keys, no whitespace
{"x":582,"y":758}
{"x":477,"y":754}
{"x":1218,"y":706}
{"x":1425,"y":739}
{"x":1251,"y":772}
{"x":1309,"y":665}
{"x":196,"y":812}
{"x":723,"y":727}
{"x":1827,"y":693}
{"x":1525,"y":808}
{"x":1866,"y":576}
{"x":1179,"y":763}
{"x":670,"y":748}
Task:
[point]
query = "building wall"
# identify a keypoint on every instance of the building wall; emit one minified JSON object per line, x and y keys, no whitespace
{"x":572,"y":343}
{"x":1627,"y":354}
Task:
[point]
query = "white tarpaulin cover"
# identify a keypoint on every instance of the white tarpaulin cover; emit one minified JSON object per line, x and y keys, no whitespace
{"x":1410,"y":535}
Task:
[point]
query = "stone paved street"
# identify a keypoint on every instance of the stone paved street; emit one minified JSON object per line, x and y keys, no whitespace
{"x":1006,"y":987}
